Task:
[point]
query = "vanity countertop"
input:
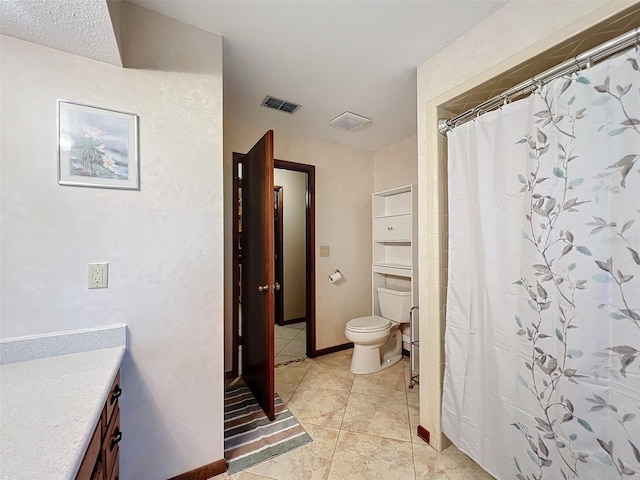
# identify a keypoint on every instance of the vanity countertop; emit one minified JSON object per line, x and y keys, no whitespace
{"x":49,"y":408}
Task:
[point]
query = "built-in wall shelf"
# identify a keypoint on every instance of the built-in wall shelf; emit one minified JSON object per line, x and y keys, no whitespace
{"x":395,"y":254}
{"x":397,"y":201}
{"x":395,"y":234}
{"x":393,"y":266}
{"x":390,"y":254}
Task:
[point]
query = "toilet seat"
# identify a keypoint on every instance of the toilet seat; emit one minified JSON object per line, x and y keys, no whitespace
{"x":370,"y":324}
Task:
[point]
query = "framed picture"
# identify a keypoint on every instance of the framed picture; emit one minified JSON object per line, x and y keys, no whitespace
{"x":97,"y":147}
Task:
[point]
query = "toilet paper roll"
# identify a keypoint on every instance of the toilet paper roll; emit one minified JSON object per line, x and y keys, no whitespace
{"x":333,"y":278}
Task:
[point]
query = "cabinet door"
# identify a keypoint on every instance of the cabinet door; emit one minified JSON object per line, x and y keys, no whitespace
{"x":397,"y":228}
{"x":114,"y":393}
{"x":98,"y":473}
{"x":111,"y":441}
{"x":91,"y":457}
{"x":115,"y":474}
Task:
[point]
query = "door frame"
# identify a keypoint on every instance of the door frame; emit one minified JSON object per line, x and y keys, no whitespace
{"x":310,"y":273}
{"x":310,"y":208}
{"x":278,"y":250}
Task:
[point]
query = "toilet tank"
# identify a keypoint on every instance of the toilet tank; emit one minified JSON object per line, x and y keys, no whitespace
{"x":394,"y":304}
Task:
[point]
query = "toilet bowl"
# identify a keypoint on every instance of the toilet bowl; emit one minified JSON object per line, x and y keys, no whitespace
{"x":377,"y":340}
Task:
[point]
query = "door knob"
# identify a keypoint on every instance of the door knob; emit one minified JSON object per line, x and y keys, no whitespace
{"x":266,"y":288}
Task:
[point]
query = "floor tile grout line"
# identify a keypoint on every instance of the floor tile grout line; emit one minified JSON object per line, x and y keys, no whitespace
{"x":324,"y":388}
{"x":406,"y":396}
{"x":375,"y":435}
{"x":340,"y":430}
{"x":334,"y":455}
{"x":350,"y":393}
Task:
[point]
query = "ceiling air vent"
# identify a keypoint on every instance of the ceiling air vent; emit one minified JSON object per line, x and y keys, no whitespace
{"x":278,"y":104}
{"x":349,"y":121}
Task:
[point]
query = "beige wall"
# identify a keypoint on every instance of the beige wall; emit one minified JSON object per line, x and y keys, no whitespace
{"x":163,"y":243}
{"x":344,"y":183}
{"x":294,"y":238}
{"x":396,"y":165}
{"x":474,"y":58}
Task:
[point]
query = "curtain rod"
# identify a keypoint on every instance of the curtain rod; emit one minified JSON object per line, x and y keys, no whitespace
{"x":586,"y":59}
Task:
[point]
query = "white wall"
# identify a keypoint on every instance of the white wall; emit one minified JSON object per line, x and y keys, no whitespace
{"x":478,"y":56}
{"x":396,"y":165}
{"x":294,"y":241}
{"x":164,"y":243}
{"x":344,"y":183}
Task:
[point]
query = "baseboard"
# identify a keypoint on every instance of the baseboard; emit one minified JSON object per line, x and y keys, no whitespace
{"x":293,"y":320}
{"x":423,"y":433}
{"x":334,"y":349}
{"x":205,"y":472}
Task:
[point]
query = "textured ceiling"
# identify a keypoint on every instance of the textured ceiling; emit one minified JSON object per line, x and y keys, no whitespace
{"x":82,"y":27}
{"x":328,"y":56}
{"x":610,"y":28}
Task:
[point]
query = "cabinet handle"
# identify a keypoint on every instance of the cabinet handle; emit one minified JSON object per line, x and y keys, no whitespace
{"x":115,"y":440}
{"x":116,"y":394}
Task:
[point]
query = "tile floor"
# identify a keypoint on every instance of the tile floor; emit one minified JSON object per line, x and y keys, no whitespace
{"x":290,"y":342}
{"x":363,"y":427}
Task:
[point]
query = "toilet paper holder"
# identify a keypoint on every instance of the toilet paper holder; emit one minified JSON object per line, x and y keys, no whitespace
{"x":336,"y":276}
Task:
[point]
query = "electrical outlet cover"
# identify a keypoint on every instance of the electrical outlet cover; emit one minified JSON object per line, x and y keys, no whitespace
{"x":98,"y":275}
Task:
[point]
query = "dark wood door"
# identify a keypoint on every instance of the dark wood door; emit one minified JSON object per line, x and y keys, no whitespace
{"x":258,"y":282}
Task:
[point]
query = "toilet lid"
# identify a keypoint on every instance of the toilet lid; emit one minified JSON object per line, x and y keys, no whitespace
{"x":372,"y":323}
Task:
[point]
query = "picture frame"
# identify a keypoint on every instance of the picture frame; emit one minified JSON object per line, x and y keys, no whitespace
{"x":97,"y":147}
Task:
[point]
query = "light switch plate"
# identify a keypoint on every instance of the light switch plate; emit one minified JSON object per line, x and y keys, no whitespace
{"x":325,"y":251}
{"x":98,"y":275}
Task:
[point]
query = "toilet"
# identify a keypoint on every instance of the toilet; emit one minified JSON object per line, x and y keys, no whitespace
{"x":377,"y":340}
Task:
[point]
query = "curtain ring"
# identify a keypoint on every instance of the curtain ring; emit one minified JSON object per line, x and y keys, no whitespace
{"x":587,"y":63}
{"x":575,"y":60}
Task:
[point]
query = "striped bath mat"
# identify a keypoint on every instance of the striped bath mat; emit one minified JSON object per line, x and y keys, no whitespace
{"x":249,"y":436}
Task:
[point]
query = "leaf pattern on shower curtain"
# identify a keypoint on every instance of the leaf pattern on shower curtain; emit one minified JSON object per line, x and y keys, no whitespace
{"x":580,"y":282}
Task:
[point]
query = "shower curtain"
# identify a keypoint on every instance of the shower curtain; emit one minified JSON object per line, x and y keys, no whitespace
{"x":542,"y":374}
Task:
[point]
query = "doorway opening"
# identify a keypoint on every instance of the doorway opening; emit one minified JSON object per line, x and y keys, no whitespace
{"x":294,"y":303}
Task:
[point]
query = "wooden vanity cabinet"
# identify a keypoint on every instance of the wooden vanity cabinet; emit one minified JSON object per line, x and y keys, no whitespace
{"x":101,"y":458}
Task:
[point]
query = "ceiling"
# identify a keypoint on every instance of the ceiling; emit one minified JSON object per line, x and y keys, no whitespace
{"x":328,"y":56}
{"x":82,"y":27}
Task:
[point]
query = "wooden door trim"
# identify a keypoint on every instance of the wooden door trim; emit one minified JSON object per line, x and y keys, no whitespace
{"x":279,"y":247}
{"x":235,"y":276}
{"x":310,"y":170}
{"x":205,"y":472}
